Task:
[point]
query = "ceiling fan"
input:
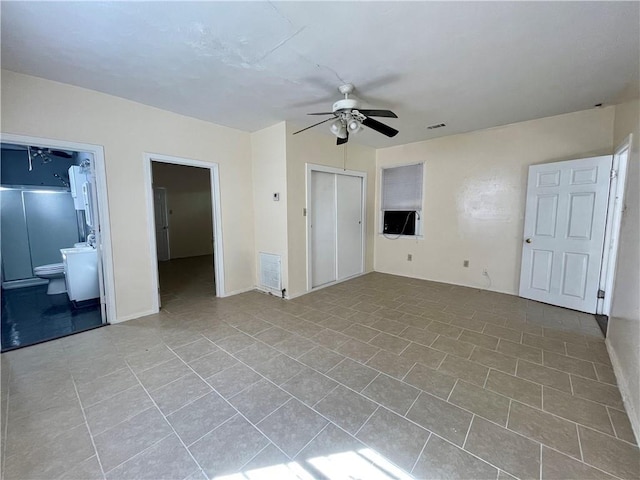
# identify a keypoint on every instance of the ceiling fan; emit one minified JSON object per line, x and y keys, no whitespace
{"x":45,"y":153}
{"x":349,"y":118}
{"x":38,"y":151}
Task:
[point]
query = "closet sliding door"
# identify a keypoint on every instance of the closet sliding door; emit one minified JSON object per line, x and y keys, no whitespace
{"x":323,"y":228}
{"x":349,"y":226}
{"x":335,"y":227}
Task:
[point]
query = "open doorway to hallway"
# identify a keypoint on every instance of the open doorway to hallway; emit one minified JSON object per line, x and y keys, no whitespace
{"x":184,"y":231}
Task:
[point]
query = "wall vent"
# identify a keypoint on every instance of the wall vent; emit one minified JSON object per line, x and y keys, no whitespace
{"x":438,"y":125}
{"x":270,"y":272}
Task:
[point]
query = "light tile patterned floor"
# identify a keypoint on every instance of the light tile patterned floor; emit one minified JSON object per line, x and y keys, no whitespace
{"x":379,"y":377}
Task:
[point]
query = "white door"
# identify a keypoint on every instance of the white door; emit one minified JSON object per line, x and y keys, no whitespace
{"x":162,"y":223}
{"x":335,"y":227}
{"x":349,"y":223}
{"x":565,"y":217}
{"x":323,"y":228}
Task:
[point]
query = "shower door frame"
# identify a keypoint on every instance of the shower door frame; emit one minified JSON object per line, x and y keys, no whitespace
{"x":106,"y":256}
{"x":8,"y":283}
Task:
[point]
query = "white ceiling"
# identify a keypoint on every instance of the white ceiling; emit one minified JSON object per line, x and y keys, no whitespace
{"x":248,"y":65}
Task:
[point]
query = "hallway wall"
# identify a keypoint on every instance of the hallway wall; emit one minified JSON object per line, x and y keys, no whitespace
{"x":189,"y":206}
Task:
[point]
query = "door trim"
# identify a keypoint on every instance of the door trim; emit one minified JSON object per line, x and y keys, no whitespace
{"x":312,"y":167}
{"x":106,"y":257}
{"x":166,"y":216}
{"x":218,"y":256}
{"x":613,"y":224}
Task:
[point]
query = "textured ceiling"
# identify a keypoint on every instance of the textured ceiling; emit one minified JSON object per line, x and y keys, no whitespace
{"x":248,"y":65}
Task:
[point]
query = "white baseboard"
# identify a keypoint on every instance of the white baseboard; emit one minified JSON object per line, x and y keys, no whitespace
{"x":623,"y":386}
{"x":237,"y":292}
{"x":291,"y":297}
{"x":331,"y":284}
{"x":275,"y":293}
{"x":476,"y":287}
{"x":133,"y":316}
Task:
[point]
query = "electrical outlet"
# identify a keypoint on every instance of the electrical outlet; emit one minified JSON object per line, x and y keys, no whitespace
{"x":409,"y":257}
{"x":465,"y":263}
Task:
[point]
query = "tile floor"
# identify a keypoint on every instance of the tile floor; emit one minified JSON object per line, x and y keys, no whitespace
{"x":380,"y":377}
{"x":30,"y":316}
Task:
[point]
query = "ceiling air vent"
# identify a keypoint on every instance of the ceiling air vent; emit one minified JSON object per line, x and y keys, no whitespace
{"x":437,"y":125}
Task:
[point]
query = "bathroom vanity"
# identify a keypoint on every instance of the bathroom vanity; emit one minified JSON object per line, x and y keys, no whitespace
{"x":81,"y":273}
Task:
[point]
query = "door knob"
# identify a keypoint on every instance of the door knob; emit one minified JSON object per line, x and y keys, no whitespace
{"x":528,"y":240}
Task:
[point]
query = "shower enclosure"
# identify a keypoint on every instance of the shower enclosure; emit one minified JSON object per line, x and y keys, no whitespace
{"x":36,"y":222}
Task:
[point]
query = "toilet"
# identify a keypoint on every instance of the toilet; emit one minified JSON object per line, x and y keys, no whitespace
{"x":54,"y":272}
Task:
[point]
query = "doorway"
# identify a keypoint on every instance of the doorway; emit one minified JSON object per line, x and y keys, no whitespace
{"x":614,"y":223}
{"x":184,"y":228}
{"x":56,"y":255}
{"x":161,"y":216}
{"x":570,"y":215}
{"x":335,"y":226}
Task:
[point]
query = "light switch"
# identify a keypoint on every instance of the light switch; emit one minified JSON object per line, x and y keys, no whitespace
{"x":276,"y":197}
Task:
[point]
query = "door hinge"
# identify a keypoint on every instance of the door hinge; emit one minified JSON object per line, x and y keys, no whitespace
{"x":304,"y":212}
{"x":600,"y":293}
{"x":613,"y":174}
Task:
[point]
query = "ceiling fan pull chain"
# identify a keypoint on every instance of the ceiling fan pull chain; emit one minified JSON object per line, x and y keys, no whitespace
{"x":344,"y":158}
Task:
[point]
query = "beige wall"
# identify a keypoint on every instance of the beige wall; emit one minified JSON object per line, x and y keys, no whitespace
{"x":312,"y":147}
{"x":269,"y":159}
{"x":279,"y":166}
{"x":474,"y":189}
{"x":474,"y":192}
{"x":37,"y":107}
{"x":623,"y":337}
{"x":189,"y":208}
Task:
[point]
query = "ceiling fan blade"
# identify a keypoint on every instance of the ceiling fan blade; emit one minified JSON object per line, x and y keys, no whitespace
{"x":378,"y":113}
{"x":344,"y":140}
{"x":321,"y":113}
{"x":60,"y":153}
{"x":323,"y":121}
{"x":380,"y":127}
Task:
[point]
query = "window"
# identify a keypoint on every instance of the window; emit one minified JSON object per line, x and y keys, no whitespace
{"x":402,"y":200}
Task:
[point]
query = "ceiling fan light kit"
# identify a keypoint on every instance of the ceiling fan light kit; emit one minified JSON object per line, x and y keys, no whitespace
{"x":338,"y":129}
{"x":349,"y":118}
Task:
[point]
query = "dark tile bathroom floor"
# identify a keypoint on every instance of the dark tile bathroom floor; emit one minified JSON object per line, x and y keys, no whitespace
{"x":31,"y":316}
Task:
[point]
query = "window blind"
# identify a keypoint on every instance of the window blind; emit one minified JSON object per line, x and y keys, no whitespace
{"x":402,"y":188}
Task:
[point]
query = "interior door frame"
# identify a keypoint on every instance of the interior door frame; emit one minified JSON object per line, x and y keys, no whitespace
{"x":165,"y":207}
{"x":105,"y":259}
{"x":613,"y":224}
{"x":218,"y":251}
{"x":312,"y":167}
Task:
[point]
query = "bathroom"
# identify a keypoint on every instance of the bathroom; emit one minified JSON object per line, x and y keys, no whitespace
{"x":50,"y":266}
